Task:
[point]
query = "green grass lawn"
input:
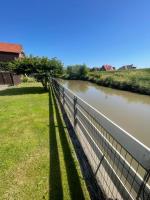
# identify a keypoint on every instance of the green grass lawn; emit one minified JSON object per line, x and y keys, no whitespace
{"x":37,"y":160}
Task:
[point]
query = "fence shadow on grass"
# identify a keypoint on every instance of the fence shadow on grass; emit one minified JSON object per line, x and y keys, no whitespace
{"x":94,"y":190}
{"x":55,"y":184}
{"x":22,"y":91}
{"x":72,"y":174}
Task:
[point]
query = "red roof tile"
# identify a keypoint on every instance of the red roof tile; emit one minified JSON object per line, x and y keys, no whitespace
{"x":107,"y":67}
{"x":13,"y":48}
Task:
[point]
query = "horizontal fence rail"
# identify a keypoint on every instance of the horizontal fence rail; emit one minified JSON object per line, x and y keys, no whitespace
{"x":121,"y":163}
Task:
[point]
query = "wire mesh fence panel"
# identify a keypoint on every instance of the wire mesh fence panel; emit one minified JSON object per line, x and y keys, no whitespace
{"x":120,"y":163}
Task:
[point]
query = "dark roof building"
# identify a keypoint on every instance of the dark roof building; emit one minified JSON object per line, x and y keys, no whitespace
{"x":9,"y":52}
{"x":95,"y":69}
{"x":126,"y":67}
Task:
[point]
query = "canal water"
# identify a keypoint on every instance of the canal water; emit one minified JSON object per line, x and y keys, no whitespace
{"x":129,"y":110}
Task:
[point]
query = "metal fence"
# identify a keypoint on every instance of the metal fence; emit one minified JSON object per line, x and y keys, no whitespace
{"x":121,"y":163}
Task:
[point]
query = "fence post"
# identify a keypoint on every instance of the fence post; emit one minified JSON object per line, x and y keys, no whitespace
{"x":49,"y":82}
{"x":12,"y":78}
{"x":58,"y":90}
{"x":75,"y":111}
{"x":142,"y":187}
{"x":63,"y":96}
{"x":99,"y":165}
{"x":3,"y":78}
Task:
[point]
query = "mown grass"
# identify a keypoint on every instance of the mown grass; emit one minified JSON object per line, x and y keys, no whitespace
{"x":63,"y":160}
{"x":37,"y":160}
{"x":131,"y":80}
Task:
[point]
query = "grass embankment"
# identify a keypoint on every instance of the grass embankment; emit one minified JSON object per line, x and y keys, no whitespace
{"x":37,"y":160}
{"x":131,"y":80}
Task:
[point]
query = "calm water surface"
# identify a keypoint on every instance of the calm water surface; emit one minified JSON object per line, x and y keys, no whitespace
{"x":129,"y":110}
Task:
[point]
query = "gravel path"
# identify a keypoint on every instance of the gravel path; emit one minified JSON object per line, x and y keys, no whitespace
{"x":3,"y":87}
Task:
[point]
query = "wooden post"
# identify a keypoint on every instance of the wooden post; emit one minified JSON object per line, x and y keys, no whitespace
{"x":12,"y":78}
{"x":75,"y":111}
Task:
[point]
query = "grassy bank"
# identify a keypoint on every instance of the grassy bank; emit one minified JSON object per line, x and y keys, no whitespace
{"x":37,"y":160}
{"x":131,"y":80}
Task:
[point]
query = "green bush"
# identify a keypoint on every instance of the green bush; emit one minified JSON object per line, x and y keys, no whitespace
{"x":27,"y":79}
{"x":4,"y":66}
{"x":77,"y":72}
{"x":24,"y":79}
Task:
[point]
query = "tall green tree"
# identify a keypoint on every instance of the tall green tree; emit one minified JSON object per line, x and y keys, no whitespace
{"x":77,"y":71}
{"x":41,"y":67}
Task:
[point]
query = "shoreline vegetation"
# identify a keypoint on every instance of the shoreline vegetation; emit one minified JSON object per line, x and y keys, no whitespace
{"x":136,"y":80}
{"x":41,"y":68}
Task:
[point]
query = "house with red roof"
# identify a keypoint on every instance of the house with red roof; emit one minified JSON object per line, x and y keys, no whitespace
{"x":9,"y":52}
{"x":107,"y":67}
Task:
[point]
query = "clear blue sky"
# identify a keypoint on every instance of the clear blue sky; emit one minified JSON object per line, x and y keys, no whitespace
{"x":94,"y":32}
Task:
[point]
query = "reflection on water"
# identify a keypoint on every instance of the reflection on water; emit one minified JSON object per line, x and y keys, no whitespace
{"x":76,"y":88}
{"x":129,"y":110}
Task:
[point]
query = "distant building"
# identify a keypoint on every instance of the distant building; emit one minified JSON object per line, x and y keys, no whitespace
{"x":9,"y":52}
{"x":127,"y":67}
{"x":95,"y":69}
{"x":107,"y":68}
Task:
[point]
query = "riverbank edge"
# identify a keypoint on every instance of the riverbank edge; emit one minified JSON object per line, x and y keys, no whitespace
{"x":125,"y":86}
